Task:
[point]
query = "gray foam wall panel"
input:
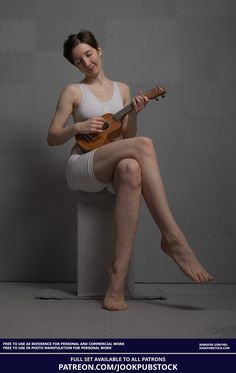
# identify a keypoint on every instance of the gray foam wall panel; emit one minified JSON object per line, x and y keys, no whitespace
{"x":186,"y":45}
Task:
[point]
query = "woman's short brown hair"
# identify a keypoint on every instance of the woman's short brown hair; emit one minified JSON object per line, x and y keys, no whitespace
{"x":84,"y":36}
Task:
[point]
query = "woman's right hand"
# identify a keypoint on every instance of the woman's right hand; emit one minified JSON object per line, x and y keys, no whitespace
{"x":92,"y":125}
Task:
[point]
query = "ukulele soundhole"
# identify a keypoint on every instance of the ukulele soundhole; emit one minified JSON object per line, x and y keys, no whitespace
{"x":105,"y":125}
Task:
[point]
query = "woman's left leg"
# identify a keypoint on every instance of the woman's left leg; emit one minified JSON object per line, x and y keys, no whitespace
{"x":173,"y":241}
{"x":128,"y":188}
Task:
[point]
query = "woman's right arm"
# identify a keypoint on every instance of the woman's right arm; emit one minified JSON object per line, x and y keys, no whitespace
{"x":58,"y":132}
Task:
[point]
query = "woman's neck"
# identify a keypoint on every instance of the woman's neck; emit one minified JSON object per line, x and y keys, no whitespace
{"x":99,"y":79}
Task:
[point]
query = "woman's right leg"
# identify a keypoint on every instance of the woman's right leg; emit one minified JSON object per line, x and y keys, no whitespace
{"x":127,"y":185}
{"x":173,"y":241}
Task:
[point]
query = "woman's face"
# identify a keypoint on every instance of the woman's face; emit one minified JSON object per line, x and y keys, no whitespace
{"x":87,"y":59}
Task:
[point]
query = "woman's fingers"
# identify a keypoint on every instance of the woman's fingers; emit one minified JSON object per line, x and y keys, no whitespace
{"x":140,"y":101}
{"x":97,"y":124}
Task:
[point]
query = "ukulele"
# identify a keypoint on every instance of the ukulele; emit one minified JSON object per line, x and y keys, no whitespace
{"x":112,"y":127}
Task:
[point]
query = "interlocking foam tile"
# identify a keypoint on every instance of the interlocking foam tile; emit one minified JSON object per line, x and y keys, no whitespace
{"x":185,"y":173}
{"x":231,"y":173}
{"x":51,"y":33}
{"x":16,"y":67}
{"x":233,"y":209}
{"x":213,"y":246}
{"x":62,"y":9}
{"x":226,"y":61}
{"x":15,"y":101}
{"x":207,"y":33}
{"x":227,"y":99}
{"x":231,"y":170}
{"x":199,"y":64}
{"x":16,"y":174}
{"x":74,"y":75}
{"x":27,"y":256}
{"x":17,"y":35}
{"x":148,"y":232}
{"x":50,"y":67}
{"x":202,"y":99}
{"x":227,"y":80}
{"x":229,"y":126}
{"x":166,"y":134}
{"x":147,"y":267}
{"x":204,"y":137}
{"x":42,"y":9}
{"x":15,"y":137}
{"x":11,"y":207}
{"x":173,"y":172}
{"x":200,"y":40}
{"x":35,"y":249}
{"x":8,"y":241}
{"x":42,"y":176}
{"x":149,"y":48}
{"x":44,"y":99}
{"x":137,"y":8}
{"x":206,"y":175}
{"x":54,"y":157}
{"x":124,"y":9}
{"x":205,"y":214}
{"x":206,"y":8}
{"x":40,"y":149}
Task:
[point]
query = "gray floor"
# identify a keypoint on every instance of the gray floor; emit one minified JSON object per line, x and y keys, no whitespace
{"x":190,"y":311}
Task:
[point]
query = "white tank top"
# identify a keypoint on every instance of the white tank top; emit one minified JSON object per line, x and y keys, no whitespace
{"x":90,"y":106}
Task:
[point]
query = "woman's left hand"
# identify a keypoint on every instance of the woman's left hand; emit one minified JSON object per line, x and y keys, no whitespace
{"x":139,"y":102}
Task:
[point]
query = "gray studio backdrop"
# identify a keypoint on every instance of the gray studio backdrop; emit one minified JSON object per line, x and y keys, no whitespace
{"x":186,"y":45}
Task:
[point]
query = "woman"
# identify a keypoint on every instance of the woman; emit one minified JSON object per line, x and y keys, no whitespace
{"x":127,"y":167}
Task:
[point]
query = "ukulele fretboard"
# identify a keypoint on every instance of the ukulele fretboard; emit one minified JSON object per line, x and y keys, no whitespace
{"x":123,"y":112}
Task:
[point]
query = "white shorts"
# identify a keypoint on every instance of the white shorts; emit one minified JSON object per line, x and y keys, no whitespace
{"x":80,"y":173}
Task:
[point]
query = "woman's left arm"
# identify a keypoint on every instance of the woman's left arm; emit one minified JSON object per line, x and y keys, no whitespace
{"x":130,"y":121}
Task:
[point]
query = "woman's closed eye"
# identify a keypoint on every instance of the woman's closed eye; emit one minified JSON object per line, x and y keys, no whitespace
{"x":79,"y":62}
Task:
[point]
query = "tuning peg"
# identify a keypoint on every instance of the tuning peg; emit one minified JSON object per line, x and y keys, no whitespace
{"x":163,"y":96}
{"x":157,"y":99}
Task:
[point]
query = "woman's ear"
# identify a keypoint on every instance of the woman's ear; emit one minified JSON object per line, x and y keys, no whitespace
{"x":99,"y":51}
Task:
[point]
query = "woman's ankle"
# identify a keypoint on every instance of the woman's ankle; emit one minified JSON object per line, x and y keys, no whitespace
{"x":173,"y":238}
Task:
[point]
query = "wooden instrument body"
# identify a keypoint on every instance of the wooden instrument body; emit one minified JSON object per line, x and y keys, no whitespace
{"x":112,"y":130}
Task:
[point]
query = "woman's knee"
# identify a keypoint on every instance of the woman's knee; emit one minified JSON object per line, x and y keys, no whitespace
{"x":145,"y":146}
{"x":128,"y":171}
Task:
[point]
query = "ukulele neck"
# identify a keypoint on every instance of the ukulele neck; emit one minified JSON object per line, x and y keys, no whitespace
{"x":123,"y":112}
{"x":152,"y":94}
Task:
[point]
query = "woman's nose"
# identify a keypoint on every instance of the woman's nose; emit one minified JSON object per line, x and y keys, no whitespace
{"x":86,"y":62}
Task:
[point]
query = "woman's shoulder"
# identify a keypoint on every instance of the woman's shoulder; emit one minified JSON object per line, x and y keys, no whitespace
{"x":123,"y":86}
{"x":72,"y":88}
{"x":125,"y":90}
{"x":72,"y":92}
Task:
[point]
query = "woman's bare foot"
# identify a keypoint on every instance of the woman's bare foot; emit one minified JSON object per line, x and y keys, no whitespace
{"x":114,"y":298}
{"x":185,"y":258}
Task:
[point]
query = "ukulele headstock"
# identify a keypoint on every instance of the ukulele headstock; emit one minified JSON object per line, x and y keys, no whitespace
{"x":155,"y":93}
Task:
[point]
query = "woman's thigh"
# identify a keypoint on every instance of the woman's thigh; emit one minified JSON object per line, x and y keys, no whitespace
{"x":107,"y":156}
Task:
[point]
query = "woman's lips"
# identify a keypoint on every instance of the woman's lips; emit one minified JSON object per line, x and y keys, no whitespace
{"x":91,"y":68}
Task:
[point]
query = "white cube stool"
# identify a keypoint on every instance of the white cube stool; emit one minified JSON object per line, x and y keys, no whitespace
{"x":95,"y":243}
